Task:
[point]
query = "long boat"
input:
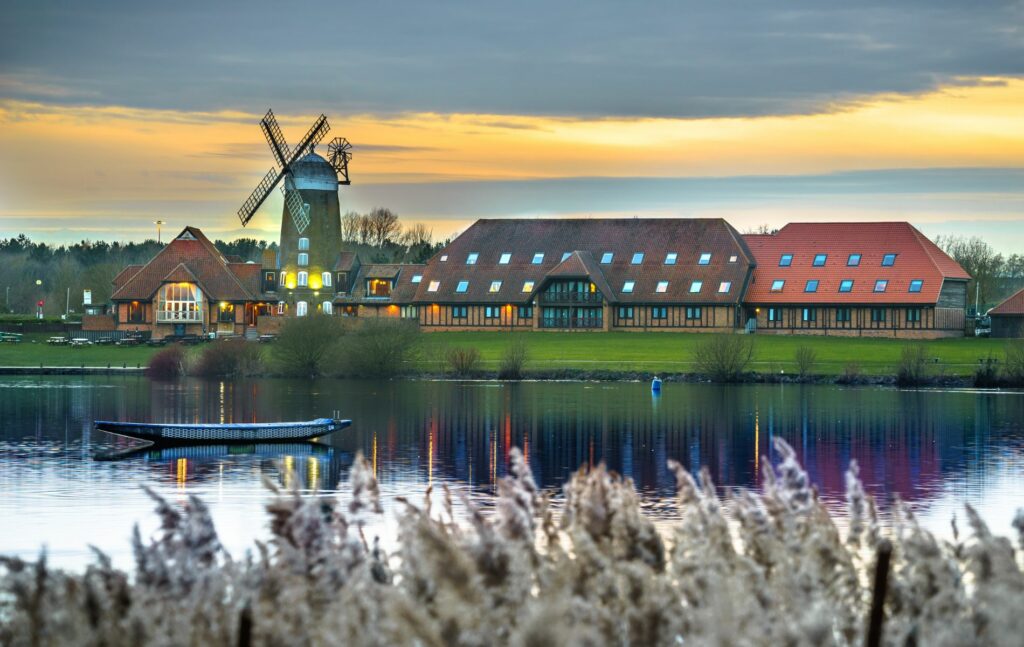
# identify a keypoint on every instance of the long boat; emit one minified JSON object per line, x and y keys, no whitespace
{"x":173,"y":433}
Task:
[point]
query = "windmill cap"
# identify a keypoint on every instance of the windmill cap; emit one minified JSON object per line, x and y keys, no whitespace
{"x":313,"y":173}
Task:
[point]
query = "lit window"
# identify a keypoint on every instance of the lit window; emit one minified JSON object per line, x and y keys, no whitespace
{"x":888,"y":260}
{"x":434,"y":285}
{"x":303,"y":259}
{"x":471,"y":258}
{"x":915,"y":285}
{"x":303,"y":244}
{"x":880,"y":285}
{"x":696,"y":286}
{"x":607,"y":258}
{"x":705,"y":259}
{"x":538,"y":258}
{"x":444,"y":257}
{"x":724,"y":287}
{"x":301,"y":308}
{"x":565,"y":255}
{"x":416,"y":278}
{"x":627,"y":287}
{"x":670,"y":258}
{"x":495,"y":286}
{"x":853,"y":260}
{"x":326,"y":278}
{"x":284,"y":275}
{"x":280,"y":307}
{"x":785,"y":260}
{"x":819,"y":260}
{"x":505,"y":259}
{"x":733,"y":258}
{"x":462,"y":286}
{"x":528,"y":286}
{"x":303,"y":279}
{"x":661,"y":287}
{"x":778,"y":284}
{"x":327,"y":307}
{"x":846,"y":285}
{"x":638,"y":258}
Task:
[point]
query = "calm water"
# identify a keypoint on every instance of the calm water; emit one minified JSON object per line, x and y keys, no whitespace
{"x":933,"y":448}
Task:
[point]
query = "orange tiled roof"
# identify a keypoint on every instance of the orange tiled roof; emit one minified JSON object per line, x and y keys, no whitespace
{"x":917,"y":258}
{"x":1012,"y":305}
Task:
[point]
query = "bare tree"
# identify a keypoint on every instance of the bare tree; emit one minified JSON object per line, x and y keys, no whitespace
{"x":415,"y":235}
{"x":978,"y":259}
{"x":383,"y":226}
{"x":363,"y":227}
{"x":763,"y":228}
{"x":724,"y":357}
{"x":350,"y":226}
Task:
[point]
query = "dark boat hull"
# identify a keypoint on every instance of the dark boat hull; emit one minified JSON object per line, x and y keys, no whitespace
{"x":231,"y":434}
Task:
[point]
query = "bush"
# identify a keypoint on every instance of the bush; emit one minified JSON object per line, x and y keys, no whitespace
{"x":913,"y":366}
{"x":851,"y":373}
{"x":514,"y":360}
{"x":380,"y":347}
{"x":724,"y":357}
{"x":986,"y":374}
{"x":1013,"y":363}
{"x":167,"y":364}
{"x":462,"y":360}
{"x":308,"y":346}
{"x":230,"y":358}
{"x":806,"y":358}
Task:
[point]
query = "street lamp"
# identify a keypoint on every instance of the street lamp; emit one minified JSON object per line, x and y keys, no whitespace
{"x":158,"y":223}
{"x":39,"y":304}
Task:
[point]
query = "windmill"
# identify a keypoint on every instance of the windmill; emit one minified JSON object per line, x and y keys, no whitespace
{"x":339,"y":151}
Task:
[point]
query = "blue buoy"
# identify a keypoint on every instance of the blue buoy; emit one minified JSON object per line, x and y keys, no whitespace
{"x":656,"y":385}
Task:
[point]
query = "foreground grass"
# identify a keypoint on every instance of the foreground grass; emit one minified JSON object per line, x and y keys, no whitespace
{"x":34,"y":351}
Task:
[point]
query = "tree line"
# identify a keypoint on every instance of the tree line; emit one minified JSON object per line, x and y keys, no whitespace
{"x":994,"y":276}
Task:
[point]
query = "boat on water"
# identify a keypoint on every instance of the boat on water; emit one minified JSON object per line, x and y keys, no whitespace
{"x":173,"y":433}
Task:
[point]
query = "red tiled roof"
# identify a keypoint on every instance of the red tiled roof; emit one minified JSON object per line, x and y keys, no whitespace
{"x":655,"y":237}
{"x":917,"y":258}
{"x":122,"y":277}
{"x":345,"y":261}
{"x":197,"y":254}
{"x":1013,"y":305}
{"x":402,"y":290}
{"x":582,"y":265}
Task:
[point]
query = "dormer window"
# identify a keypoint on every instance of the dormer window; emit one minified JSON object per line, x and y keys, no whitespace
{"x":303,"y":244}
{"x":888,"y":260}
{"x":433,"y":286}
{"x":538,"y":258}
{"x":506,"y":257}
{"x":607,"y":258}
{"x":724,"y":287}
{"x":846,"y":285}
{"x":778,"y":284}
{"x":303,"y":259}
{"x":811,"y":285}
{"x":416,"y":278}
{"x":696,"y":286}
{"x":915,"y":285}
{"x":853,"y":260}
{"x":378,"y":288}
{"x":495,"y":286}
{"x":819,"y":260}
{"x":471,"y":258}
{"x":638,"y":258}
{"x":705,"y":259}
{"x":880,"y":285}
{"x":628,"y":286}
{"x":670,"y":258}
{"x":462,"y":286}
{"x":785,"y":260}
{"x":662,"y":287}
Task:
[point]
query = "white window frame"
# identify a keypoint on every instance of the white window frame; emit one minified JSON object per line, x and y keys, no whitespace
{"x":284,"y":276}
{"x":301,"y":308}
{"x":280,"y":307}
{"x":327,"y":307}
{"x":326,"y":279}
{"x":303,"y":244}
{"x":302,"y":279}
{"x":303,"y":259}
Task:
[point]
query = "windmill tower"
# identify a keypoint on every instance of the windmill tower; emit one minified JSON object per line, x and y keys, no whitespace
{"x":311,"y":217}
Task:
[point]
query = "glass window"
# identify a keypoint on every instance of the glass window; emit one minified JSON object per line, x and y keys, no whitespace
{"x":810,"y":314}
{"x":696,"y":286}
{"x":724,"y":287}
{"x":471,"y":258}
{"x":811,"y":286}
{"x":733,"y":258}
{"x":627,"y":287}
{"x":880,"y":285}
{"x":846,"y":285}
{"x":280,"y":307}
{"x":915,"y":285}
{"x":327,"y":307}
{"x":785,"y":260}
{"x":607,"y":258}
{"x":661,"y":287}
{"x":778,"y":284}
{"x":378,"y":287}
{"x":565,"y":255}
{"x":819,"y":260}
{"x":284,"y":275}
{"x":527,"y":286}
{"x":774,"y":314}
{"x":444,"y":257}
{"x":506,"y":257}
{"x":877,"y":315}
{"x":853,"y":260}
{"x":659,"y":312}
{"x":303,"y":259}
{"x":843,"y":314}
{"x":913,"y":315}
{"x":303,"y":279}
{"x":303,"y":244}
{"x":301,"y":308}
{"x":670,"y":258}
{"x":705,"y":259}
{"x":416,"y":278}
{"x":495,"y":286}
{"x":693,"y":312}
{"x":888,"y":260}
{"x":462,"y":286}
{"x":410,"y":312}
{"x":538,"y":258}
{"x":492,"y":312}
{"x":638,"y":258}
{"x":526,"y":312}
{"x":460,"y":312}
{"x":434,"y":285}
{"x":625,"y":312}
{"x":326,"y":279}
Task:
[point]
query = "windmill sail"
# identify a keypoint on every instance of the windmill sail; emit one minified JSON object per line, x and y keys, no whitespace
{"x":275,"y":138}
{"x":259,"y":194}
{"x":298,"y":209}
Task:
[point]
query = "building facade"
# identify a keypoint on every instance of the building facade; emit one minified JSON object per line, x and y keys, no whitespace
{"x":1008,"y":316}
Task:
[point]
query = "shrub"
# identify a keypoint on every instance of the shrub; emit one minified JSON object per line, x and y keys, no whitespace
{"x":851,"y":373}
{"x":308,"y":346}
{"x":987,"y":372}
{"x":167,"y":364}
{"x":230,"y":358}
{"x":806,"y":358}
{"x":380,"y":347}
{"x":463,"y":360}
{"x":913,"y":365}
{"x":513,"y":361}
{"x":724,"y":357}
{"x":1013,"y":363}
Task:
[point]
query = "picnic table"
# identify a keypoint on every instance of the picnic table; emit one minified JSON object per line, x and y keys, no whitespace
{"x":80,"y":341}
{"x":10,"y":337}
{"x":266,"y":339}
{"x":129,"y":341}
{"x":155,"y":342}
{"x":57,"y":340}
{"x":105,"y":341}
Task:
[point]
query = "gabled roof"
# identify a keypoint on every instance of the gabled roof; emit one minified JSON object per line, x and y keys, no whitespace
{"x":582,"y":265}
{"x":193,"y":250}
{"x":1012,"y":305}
{"x":688,"y":238}
{"x":346,"y":261}
{"x":917,"y":258}
{"x":402,"y":290}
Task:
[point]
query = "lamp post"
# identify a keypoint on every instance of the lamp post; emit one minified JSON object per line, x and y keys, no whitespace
{"x":158,"y":223}
{"x":39,"y":304}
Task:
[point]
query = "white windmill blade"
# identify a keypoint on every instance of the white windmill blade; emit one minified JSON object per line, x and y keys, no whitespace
{"x":298,"y":209}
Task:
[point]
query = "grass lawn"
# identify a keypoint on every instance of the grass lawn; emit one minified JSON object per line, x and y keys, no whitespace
{"x":33,"y":351}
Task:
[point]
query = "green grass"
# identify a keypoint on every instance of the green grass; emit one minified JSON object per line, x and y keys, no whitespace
{"x":33,"y":351}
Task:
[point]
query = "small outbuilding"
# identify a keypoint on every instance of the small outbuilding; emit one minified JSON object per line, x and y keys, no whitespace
{"x":1008,"y":316}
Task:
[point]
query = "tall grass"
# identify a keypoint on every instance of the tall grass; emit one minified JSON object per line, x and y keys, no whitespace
{"x":766,"y":567}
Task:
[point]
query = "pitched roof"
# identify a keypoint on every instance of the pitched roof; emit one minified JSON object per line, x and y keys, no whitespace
{"x":556,"y":241}
{"x":346,"y":260}
{"x":194,"y":251}
{"x":582,"y":265}
{"x":1012,"y":305}
{"x":402,"y":289}
{"x":917,"y":258}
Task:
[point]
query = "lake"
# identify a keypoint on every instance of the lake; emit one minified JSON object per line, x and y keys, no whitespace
{"x":933,"y":448}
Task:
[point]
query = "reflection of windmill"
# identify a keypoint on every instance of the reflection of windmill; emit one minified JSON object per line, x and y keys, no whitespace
{"x":338,"y":149}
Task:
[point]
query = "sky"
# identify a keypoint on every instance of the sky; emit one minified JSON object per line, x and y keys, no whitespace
{"x":116,"y":114}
